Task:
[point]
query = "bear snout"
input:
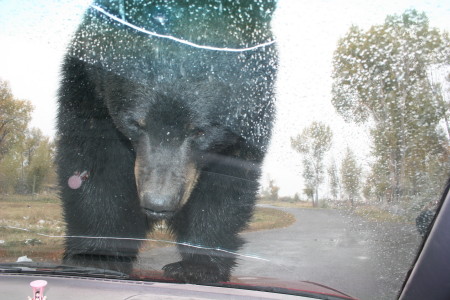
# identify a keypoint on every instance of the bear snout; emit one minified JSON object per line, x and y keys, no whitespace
{"x":159,"y":206}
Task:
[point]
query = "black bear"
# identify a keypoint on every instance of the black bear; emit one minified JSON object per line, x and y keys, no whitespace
{"x":165,"y":113}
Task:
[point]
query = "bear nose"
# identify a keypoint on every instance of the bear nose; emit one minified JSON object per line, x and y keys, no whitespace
{"x":158,"y":203}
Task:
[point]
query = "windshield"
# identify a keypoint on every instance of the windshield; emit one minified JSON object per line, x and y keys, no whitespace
{"x":263,"y":143}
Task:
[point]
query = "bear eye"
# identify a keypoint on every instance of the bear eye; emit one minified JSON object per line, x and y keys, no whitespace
{"x":197,"y":132}
{"x":138,"y":124}
{"x":141,"y":123}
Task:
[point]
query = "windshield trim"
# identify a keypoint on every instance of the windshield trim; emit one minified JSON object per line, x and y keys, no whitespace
{"x":430,"y":275}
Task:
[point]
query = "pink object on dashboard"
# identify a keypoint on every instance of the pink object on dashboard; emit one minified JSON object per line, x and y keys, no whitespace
{"x":38,"y":289}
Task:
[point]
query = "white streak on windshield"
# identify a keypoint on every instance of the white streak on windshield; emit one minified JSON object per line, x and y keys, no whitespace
{"x":134,"y":239}
{"x":180,"y":40}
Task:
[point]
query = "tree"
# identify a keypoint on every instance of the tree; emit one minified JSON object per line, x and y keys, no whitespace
{"x":350,"y":176}
{"x":270,"y":192}
{"x":273,"y":190}
{"x":334,"y":180}
{"x":40,"y":164}
{"x":10,"y":165}
{"x":15,"y":115}
{"x":313,"y":143}
{"x":28,"y":165}
{"x":309,"y":193}
{"x":381,"y":75}
{"x":439,"y":76}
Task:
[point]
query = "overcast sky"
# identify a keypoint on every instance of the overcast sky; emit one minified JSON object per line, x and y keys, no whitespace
{"x":34,"y":34}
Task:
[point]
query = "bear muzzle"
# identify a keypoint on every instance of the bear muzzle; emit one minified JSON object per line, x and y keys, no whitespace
{"x":165,"y":178}
{"x":157,"y":206}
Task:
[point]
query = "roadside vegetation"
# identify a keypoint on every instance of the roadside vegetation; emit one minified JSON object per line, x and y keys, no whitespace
{"x":376,"y":214}
{"x":26,"y":222}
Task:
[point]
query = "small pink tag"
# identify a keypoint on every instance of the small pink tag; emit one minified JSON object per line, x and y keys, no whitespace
{"x":74,"y":182}
{"x":77,"y":179}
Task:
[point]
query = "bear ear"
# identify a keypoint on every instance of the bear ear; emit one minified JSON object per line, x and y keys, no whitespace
{"x":225,"y":140}
{"x":232,"y":138}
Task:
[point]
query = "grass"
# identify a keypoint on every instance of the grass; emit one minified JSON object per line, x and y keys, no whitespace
{"x":289,"y":204}
{"x":43,"y":214}
{"x":269,"y":218}
{"x":376,"y":214}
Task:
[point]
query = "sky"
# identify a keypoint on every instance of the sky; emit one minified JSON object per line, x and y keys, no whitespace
{"x":34,"y":35}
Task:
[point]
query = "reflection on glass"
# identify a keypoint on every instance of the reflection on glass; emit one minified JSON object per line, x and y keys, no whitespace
{"x":354,"y":170}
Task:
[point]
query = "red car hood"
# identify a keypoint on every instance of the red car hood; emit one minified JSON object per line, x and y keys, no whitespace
{"x":300,"y":288}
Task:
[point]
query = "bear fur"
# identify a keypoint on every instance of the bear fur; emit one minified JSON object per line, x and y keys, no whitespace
{"x":163,"y":130}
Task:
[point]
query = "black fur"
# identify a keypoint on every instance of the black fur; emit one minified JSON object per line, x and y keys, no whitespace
{"x":165,"y":131}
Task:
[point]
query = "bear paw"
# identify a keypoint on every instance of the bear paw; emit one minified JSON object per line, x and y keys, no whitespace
{"x":192,"y":272}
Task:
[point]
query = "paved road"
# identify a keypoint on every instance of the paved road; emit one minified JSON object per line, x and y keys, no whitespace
{"x":364,"y":259}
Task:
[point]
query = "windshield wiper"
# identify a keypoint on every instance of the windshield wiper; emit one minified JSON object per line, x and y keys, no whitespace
{"x":56,"y":269}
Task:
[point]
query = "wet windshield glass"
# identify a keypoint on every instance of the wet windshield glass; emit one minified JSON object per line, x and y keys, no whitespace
{"x":260,"y":142}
